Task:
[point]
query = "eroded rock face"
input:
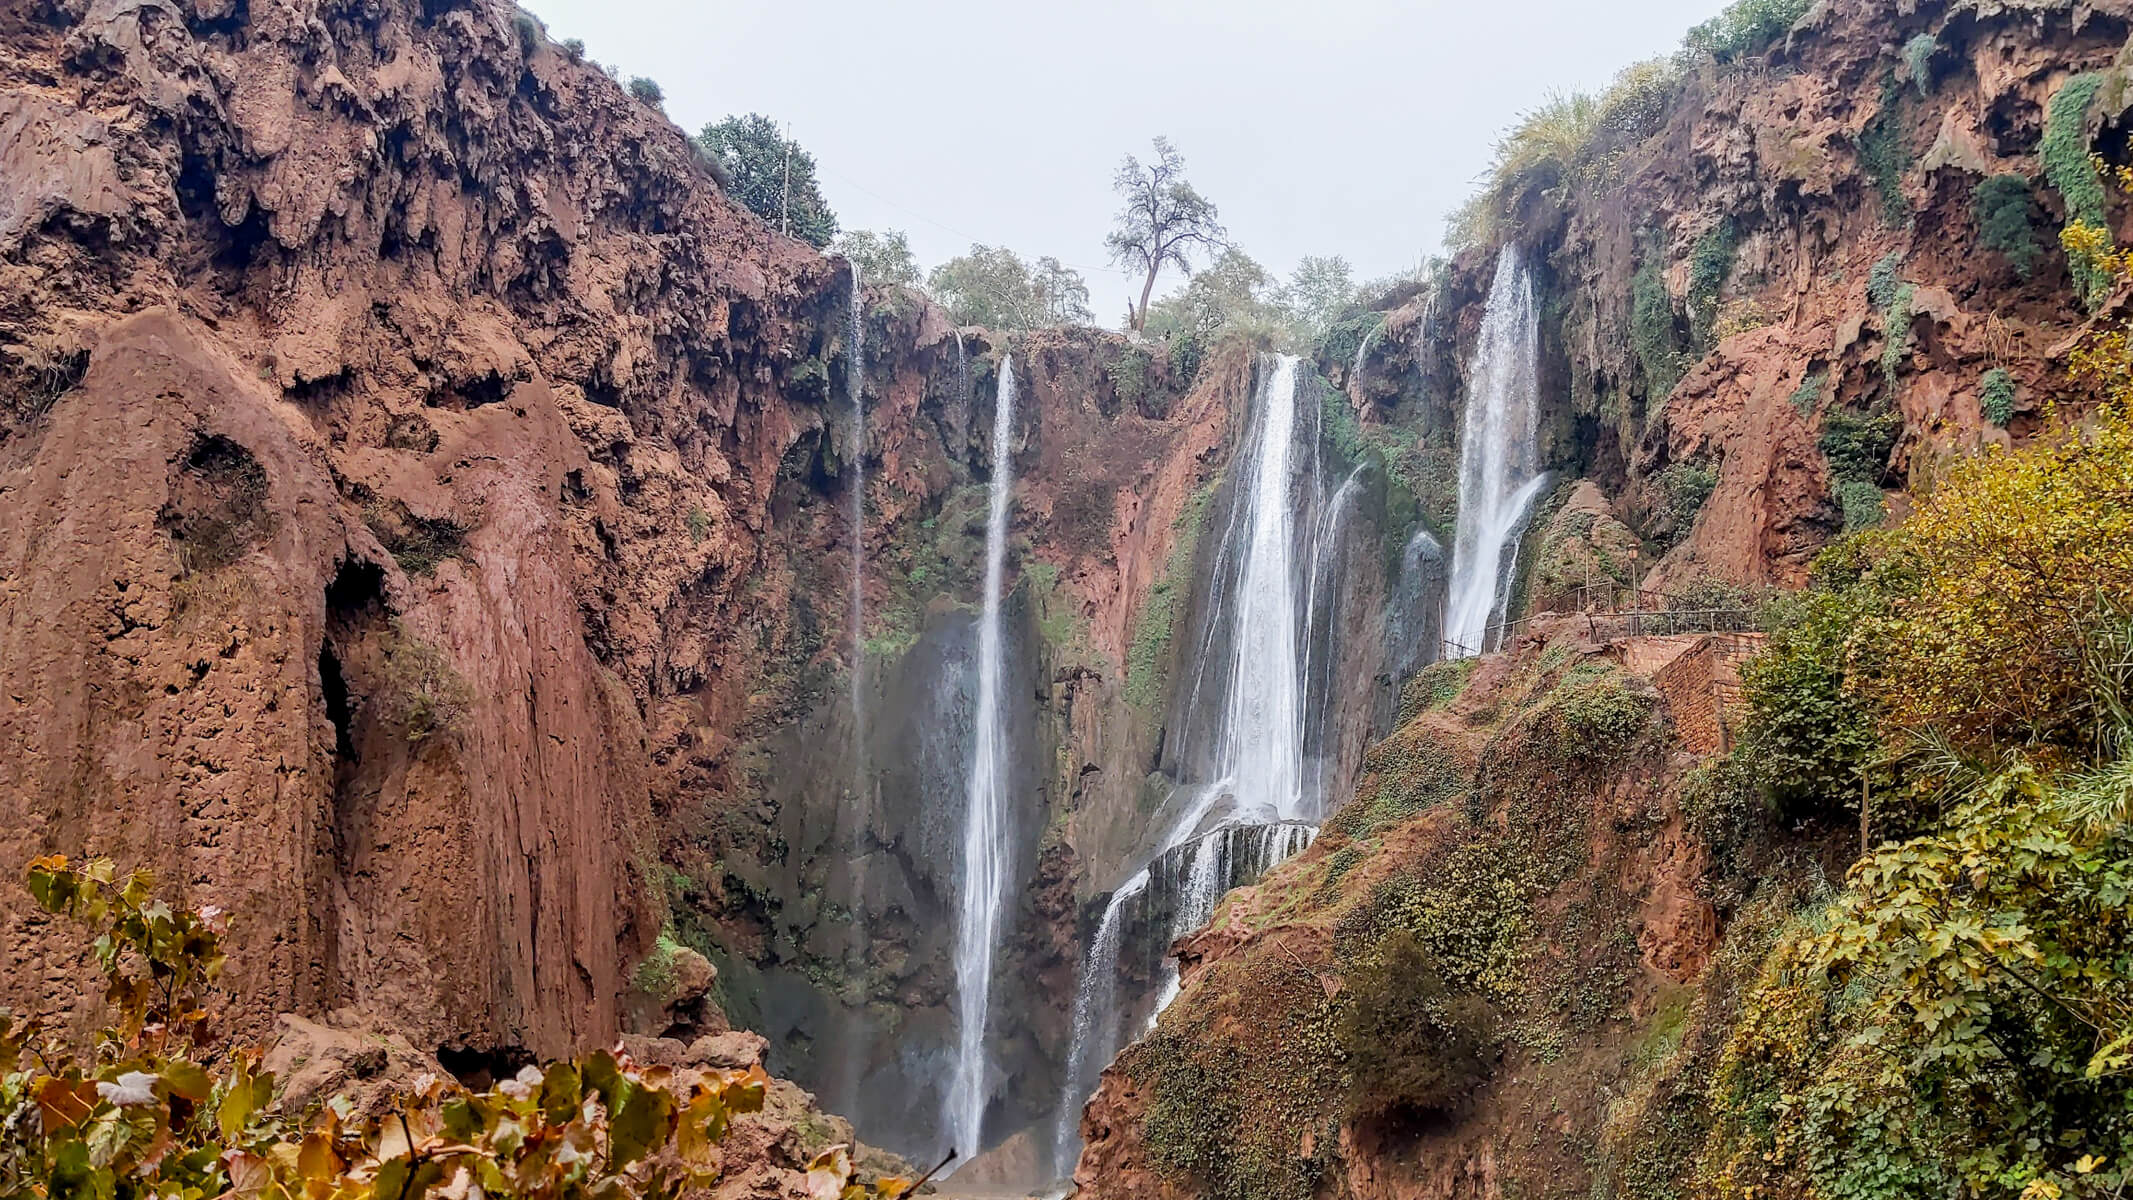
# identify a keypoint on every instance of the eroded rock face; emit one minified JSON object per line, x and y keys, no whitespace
{"x":393,"y":421}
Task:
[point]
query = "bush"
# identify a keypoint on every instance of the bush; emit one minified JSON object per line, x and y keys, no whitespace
{"x":1414,"y":1046}
{"x":1996,"y":396}
{"x":1807,"y":397}
{"x":1857,"y":446}
{"x":574,"y":49}
{"x":1884,"y":154}
{"x":1862,"y":504}
{"x":2001,"y":204}
{"x":1807,"y":736}
{"x":1683,"y":487}
{"x":1745,"y":28}
{"x":2065,"y":151}
{"x":1896,"y":333}
{"x":422,"y":696}
{"x":528,"y":29}
{"x":1883,"y":278}
{"x":1918,"y":61}
{"x":648,"y":91}
{"x":163,"y":1108}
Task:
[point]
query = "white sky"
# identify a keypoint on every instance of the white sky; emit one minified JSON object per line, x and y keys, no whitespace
{"x":1345,"y":127}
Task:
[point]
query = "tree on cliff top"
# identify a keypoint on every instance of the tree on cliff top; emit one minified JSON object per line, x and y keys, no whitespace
{"x":883,"y":258}
{"x":992,"y":286}
{"x":772,"y":175}
{"x":1164,"y":221}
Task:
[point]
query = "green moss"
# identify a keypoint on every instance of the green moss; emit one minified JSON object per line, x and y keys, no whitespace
{"x":1710,"y":265}
{"x":1653,"y":335}
{"x":699,"y":524}
{"x":1884,"y":153}
{"x":1996,"y":396}
{"x":1435,"y":686}
{"x":1896,"y":332}
{"x":1149,"y":654}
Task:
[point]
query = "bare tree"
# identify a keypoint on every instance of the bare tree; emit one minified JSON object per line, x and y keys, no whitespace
{"x":1164,"y":221}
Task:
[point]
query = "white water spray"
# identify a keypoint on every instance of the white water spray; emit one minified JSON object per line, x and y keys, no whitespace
{"x":1499,"y":457}
{"x":986,"y":853}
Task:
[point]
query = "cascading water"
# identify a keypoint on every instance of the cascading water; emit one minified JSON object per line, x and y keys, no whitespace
{"x":855,"y":388}
{"x":1252,"y":807}
{"x":1499,"y":457}
{"x":986,"y":851}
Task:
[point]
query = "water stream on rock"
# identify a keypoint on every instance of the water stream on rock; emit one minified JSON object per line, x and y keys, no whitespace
{"x":1499,"y":458}
{"x":987,"y":852}
{"x":855,"y":389}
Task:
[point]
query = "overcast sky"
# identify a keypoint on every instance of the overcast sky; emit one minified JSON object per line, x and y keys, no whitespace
{"x":1346,"y":127}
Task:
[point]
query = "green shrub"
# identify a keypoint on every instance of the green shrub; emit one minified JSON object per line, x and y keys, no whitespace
{"x":1129,"y":375}
{"x":1884,"y":154}
{"x":699,"y":524}
{"x":1896,"y":332}
{"x":1595,"y":719}
{"x":421,"y":695}
{"x":528,"y":29}
{"x":1807,"y":397}
{"x":1996,"y":396}
{"x":2001,"y":204}
{"x":1414,"y":1046}
{"x":1883,"y":278}
{"x":648,"y":91}
{"x":654,"y":975}
{"x":1683,"y":488}
{"x":574,"y":49}
{"x":1435,"y":686}
{"x":1862,"y":503}
{"x":1918,"y":61}
{"x":1856,"y":445}
{"x":1806,"y":736}
{"x":2065,"y":151}
{"x":1187,"y":352}
{"x":1745,"y":28}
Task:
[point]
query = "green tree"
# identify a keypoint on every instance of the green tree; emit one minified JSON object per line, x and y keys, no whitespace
{"x":1064,"y":292}
{"x":1319,"y":292}
{"x":1234,"y":295}
{"x":992,"y":286}
{"x":772,"y":175}
{"x":1164,"y":223}
{"x":883,"y":258}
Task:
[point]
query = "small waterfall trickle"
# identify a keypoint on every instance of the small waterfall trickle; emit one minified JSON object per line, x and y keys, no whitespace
{"x":855,"y":389}
{"x":1095,"y":1038}
{"x":987,"y":853}
{"x":1499,"y":458}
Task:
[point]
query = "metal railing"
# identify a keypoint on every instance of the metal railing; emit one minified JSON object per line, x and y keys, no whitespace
{"x":1634,"y":622}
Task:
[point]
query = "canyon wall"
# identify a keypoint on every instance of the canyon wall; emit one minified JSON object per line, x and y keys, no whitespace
{"x":1778,"y":297}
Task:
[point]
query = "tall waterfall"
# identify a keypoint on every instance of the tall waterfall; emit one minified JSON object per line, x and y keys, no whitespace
{"x":986,"y":853}
{"x":1499,"y":458}
{"x":1243,"y":802}
{"x":855,"y":389}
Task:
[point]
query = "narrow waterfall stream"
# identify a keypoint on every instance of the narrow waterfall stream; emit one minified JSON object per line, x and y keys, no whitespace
{"x":1242,"y":802}
{"x":1499,"y":458}
{"x":987,"y":854}
{"x":855,"y":390}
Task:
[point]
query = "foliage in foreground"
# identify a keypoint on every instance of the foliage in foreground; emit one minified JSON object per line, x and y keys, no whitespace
{"x":162,"y":1108}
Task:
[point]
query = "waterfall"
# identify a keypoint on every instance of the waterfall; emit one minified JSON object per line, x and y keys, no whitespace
{"x":1261,"y":743}
{"x":1248,"y":809}
{"x":855,"y":388}
{"x":1499,"y":458}
{"x":1095,"y":1018}
{"x":986,"y":853}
